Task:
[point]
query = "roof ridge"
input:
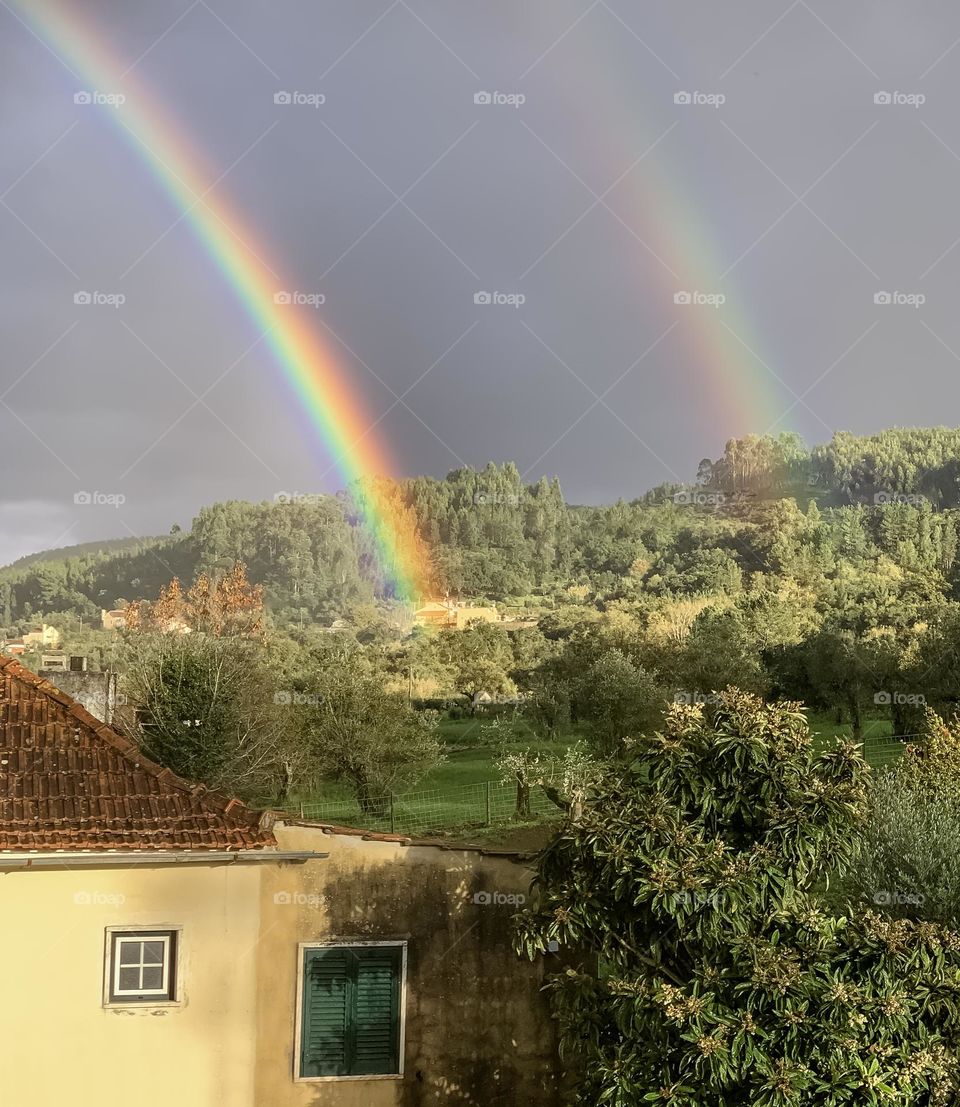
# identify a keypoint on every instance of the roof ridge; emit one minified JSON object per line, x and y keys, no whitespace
{"x":219,"y":803}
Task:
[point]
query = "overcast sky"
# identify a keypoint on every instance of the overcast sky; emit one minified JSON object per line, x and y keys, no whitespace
{"x":592,"y":159}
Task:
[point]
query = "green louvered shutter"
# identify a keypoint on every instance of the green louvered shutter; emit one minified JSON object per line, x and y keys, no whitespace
{"x":376,"y":1037}
{"x":326,"y":1012}
{"x":351,"y":1011}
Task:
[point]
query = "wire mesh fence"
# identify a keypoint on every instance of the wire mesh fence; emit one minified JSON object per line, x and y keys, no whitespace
{"x":881,"y":753}
{"x":487,"y":803}
{"x":495,"y":802}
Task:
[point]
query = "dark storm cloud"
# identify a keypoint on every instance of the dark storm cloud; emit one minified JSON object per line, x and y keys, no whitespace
{"x":400,"y":199}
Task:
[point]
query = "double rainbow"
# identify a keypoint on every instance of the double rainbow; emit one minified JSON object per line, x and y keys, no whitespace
{"x":321,"y":386}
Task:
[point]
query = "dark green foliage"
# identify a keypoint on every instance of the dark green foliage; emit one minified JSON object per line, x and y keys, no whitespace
{"x":704,"y":968}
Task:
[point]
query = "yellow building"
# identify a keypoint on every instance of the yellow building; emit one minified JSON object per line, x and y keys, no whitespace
{"x":454,"y":616}
{"x":42,"y":635}
{"x":169,"y":946}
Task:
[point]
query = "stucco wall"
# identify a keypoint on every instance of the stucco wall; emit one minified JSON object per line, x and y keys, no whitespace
{"x":60,"y":1045}
{"x":478,"y":1032}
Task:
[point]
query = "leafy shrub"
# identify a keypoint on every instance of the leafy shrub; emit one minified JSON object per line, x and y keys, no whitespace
{"x":703,"y":969}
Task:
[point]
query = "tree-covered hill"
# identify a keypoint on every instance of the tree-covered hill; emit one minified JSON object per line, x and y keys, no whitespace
{"x":767,"y":512}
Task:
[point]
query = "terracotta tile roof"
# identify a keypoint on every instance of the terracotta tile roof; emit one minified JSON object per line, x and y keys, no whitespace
{"x":70,"y":782}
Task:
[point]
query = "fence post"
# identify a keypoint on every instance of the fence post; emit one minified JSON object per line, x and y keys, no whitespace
{"x":488,"y":822}
{"x":301,"y":810}
{"x":392,"y":823}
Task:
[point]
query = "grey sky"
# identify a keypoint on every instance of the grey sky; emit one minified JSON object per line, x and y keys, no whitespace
{"x":505,"y":198}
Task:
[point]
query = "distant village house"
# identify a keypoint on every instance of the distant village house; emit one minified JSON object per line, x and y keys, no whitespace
{"x":453,"y":615}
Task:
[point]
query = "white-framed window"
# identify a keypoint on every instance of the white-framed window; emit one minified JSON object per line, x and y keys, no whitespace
{"x":141,"y":966}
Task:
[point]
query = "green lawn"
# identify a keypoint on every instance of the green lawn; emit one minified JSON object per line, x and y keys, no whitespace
{"x":471,"y":748}
{"x":456,"y":792}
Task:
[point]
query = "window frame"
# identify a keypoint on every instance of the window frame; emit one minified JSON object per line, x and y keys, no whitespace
{"x":114,"y":937}
{"x":349,"y":943}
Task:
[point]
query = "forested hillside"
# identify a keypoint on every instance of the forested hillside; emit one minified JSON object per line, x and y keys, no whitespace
{"x":867,"y":524}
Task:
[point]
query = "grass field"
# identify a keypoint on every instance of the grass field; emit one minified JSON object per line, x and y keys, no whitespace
{"x":458,"y":791}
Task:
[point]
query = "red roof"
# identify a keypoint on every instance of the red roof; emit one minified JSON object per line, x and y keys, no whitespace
{"x":70,"y":782}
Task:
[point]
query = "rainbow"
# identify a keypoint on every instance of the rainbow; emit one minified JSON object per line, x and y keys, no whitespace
{"x":676,"y":242}
{"x":321,"y":386}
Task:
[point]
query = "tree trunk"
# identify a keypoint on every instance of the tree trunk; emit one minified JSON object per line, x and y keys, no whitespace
{"x":856,"y":719}
{"x":523,"y":799}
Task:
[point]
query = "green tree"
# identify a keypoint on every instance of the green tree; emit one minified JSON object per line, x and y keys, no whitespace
{"x":358,"y":732}
{"x":703,"y":968}
{"x":208,"y":709}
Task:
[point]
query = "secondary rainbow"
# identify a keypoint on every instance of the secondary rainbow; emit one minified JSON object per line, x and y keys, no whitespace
{"x":666,"y":200}
{"x":321,"y":386}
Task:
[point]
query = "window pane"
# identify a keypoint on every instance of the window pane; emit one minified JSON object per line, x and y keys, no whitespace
{"x":130,"y":980}
{"x":152,"y":978}
{"x":130,"y":952}
{"x":153,"y":953}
